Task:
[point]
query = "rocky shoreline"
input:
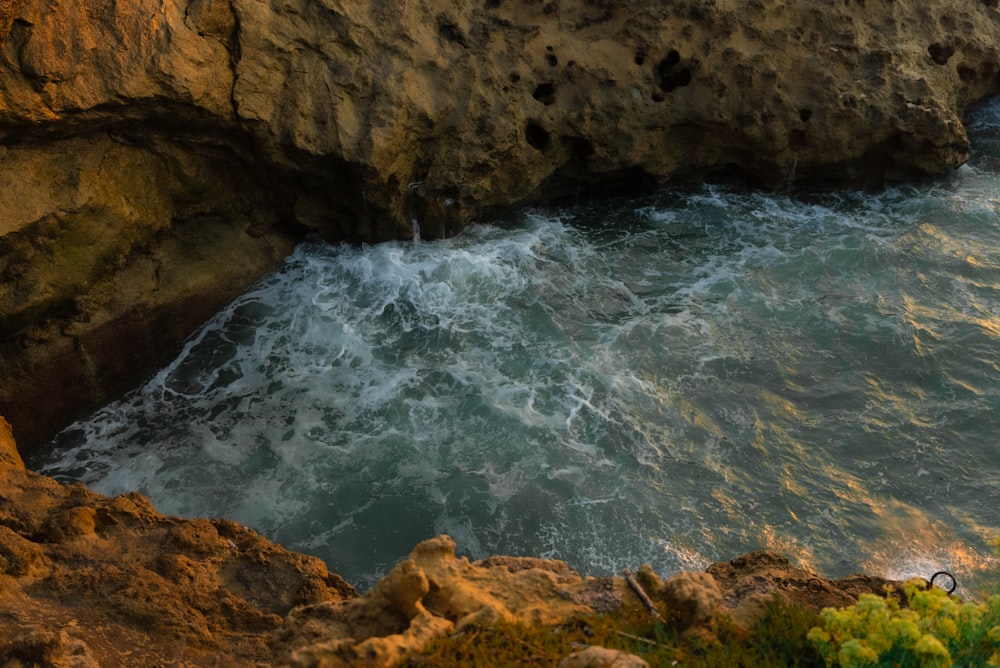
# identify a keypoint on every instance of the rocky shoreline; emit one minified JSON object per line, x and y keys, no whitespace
{"x":87,"y":580}
{"x":157,"y":158}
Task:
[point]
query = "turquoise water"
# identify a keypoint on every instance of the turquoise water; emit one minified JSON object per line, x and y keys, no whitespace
{"x":674,"y":379}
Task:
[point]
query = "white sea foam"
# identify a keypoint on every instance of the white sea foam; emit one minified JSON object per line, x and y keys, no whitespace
{"x":673,"y":379}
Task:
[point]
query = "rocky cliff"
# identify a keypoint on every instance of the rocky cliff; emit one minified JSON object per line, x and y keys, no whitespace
{"x":157,"y":157}
{"x":87,"y":580}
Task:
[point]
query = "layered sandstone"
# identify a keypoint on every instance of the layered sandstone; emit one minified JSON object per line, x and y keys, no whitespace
{"x":156,"y":157}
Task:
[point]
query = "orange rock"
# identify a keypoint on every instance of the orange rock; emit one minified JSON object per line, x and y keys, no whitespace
{"x":113,"y":581}
{"x":431,"y":593}
{"x":9,"y":455}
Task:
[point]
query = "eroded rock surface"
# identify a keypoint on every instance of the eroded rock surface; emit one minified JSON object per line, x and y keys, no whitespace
{"x":749,"y":581}
{"x":88,"y":580}
{"x":111,"y":252}
{"x":156,"y":158}
{"x":433,"y":593}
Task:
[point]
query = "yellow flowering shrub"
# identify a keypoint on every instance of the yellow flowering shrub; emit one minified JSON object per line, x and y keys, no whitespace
{"x":934,"y":629}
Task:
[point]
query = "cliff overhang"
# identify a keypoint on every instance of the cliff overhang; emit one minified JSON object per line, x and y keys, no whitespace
{"x":157,"y":158}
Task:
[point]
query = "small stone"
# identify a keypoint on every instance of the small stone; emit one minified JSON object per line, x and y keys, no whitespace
{"x":602,"y":657}
{"x":695,"y":597}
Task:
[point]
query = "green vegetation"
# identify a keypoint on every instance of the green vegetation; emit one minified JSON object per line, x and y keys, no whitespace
{"x":934,"y":629}
{"x":778,"y":639}
{"x":919,"y":626}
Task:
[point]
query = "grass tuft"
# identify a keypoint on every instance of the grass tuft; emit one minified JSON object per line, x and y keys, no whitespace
{"x":777,"y":639}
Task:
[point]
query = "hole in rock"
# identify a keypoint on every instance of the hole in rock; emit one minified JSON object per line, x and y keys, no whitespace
{"x":551,"y":59}
{"x":668,"y":77}
{"x":966,"y":73}
{"x":940,"y":53}
{"x":492,"y":4}
{"x":640,"y":59}
{"x":450,"y":32}
{"x":537,"y":136}
{"x":805,"y":115}
{"x":676,"y":80}
{"x":514,"y":77}
{"x":545,"y":93}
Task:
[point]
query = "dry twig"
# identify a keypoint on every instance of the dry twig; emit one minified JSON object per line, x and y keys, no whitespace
{"x":641,"y":593}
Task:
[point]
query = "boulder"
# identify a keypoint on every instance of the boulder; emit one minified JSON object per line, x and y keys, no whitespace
{"x":602,"y":657}
{"x":693,"y":597}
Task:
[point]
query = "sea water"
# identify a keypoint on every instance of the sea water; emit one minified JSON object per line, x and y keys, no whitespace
{"x":676,"y":378}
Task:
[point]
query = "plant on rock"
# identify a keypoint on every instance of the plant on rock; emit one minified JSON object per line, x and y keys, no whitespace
{"x":935,"y":629}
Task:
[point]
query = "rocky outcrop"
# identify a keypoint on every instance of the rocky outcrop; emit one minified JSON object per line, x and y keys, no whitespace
{"x":434,"y":593}
{"x":111,"y":253}
{"x":87,"y":580}
{"x":156,"y":157}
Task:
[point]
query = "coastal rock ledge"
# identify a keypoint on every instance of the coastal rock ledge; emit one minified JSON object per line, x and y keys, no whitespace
{"x":158,"y":157}
{"x":87,"y":580}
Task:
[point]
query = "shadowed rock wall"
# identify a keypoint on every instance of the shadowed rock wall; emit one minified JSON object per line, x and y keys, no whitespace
{"x":157,"y":157}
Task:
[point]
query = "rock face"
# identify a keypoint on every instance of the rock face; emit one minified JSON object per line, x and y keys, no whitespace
{"x":86,"y":580}
{"x":156,"y":157}
{"x":431,"y":594}
{"x":113,"y":582}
